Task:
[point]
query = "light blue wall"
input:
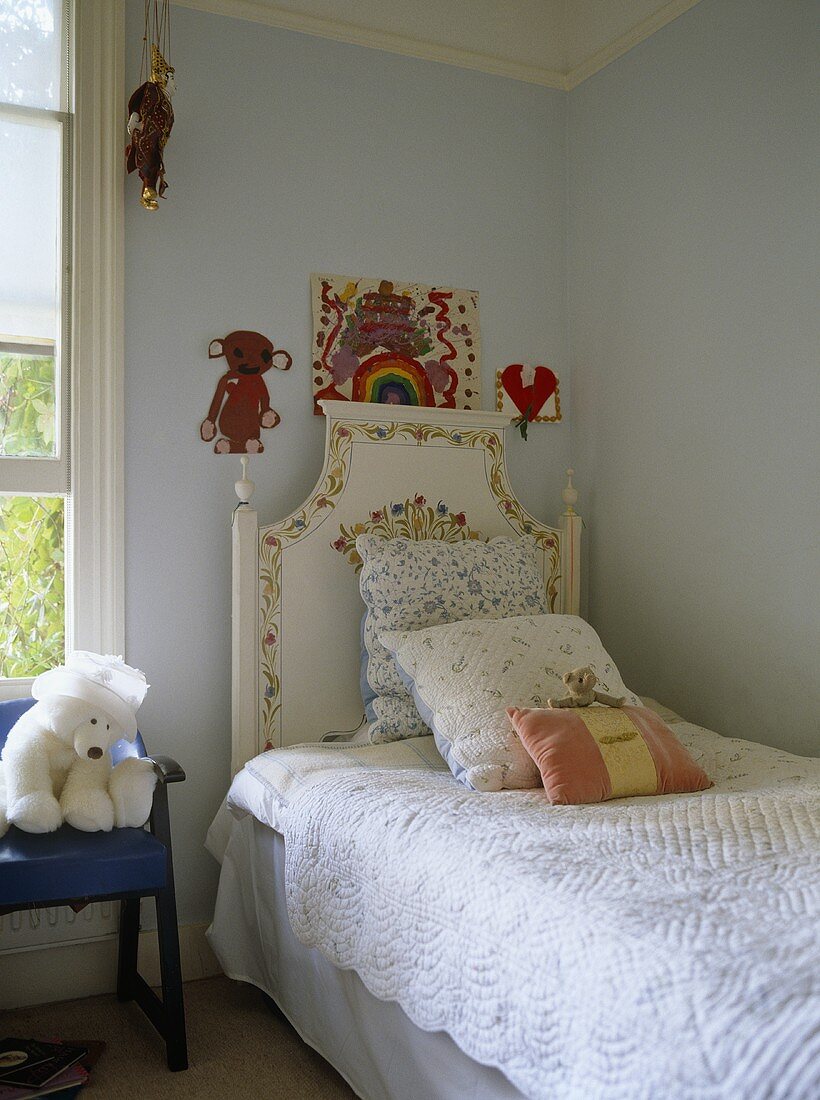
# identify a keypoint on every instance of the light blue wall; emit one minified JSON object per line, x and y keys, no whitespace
{"x":693,"y":245}
{"x":691,"y":223}
{"x":294,"y":154}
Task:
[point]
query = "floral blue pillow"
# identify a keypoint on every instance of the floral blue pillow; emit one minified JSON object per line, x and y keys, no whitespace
{"x":408,"y":585}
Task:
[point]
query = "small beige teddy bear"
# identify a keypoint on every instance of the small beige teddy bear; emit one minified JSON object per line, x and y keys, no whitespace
{"x":581,"y":683}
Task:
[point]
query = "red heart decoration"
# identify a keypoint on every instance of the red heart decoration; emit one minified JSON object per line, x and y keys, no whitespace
{"x":532,"y":397}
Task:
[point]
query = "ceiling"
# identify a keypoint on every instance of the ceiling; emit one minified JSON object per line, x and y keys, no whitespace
{"x":557,"y":43}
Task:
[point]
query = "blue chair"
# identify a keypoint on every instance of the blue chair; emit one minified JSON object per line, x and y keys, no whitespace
{"x":69,"y":866}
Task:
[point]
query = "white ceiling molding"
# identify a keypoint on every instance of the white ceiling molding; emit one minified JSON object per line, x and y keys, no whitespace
{"x":263,"y":11}
{"x":551,"y":74}
{"x":625,"y":42}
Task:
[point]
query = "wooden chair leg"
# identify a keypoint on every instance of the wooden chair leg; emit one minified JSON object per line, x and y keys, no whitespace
{"x":128,"y":947}
{"x":176,"y":1043}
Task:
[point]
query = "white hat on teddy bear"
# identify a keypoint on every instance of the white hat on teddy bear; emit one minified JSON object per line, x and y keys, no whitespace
{"x":104,"y":681}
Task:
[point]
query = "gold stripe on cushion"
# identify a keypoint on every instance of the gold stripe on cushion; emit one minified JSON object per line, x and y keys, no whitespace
{"x":626,"y":755}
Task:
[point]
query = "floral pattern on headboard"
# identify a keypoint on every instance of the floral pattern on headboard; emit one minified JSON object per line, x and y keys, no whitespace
{"x":274,"y":537}
{"x":412,"y":518}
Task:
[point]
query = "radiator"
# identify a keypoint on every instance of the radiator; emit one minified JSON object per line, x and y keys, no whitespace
{"x":59,"y":924}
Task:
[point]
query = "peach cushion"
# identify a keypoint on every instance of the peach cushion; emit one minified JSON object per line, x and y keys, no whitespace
{"x":591,"y":754}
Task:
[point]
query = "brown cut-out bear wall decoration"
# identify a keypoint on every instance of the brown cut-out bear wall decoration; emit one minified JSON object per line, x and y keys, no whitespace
{"x":241,"y":405}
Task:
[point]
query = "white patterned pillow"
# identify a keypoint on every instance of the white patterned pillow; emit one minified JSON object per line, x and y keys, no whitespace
{"x":464,"y":675}
{"x":409,"y":584}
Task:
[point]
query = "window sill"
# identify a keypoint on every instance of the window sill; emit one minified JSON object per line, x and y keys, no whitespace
{"x":16,"y":689}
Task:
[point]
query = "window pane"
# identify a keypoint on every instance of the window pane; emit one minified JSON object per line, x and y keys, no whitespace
{"x":31,"y":53}
{"x":29,"y":229}
{"x":32,"y":584}
{"x":28,"y":399}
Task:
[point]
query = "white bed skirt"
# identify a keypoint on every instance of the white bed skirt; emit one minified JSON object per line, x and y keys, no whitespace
{"x":379,"y":1051}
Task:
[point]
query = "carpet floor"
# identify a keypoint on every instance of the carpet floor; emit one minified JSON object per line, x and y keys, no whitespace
{"x":237,"y":1047}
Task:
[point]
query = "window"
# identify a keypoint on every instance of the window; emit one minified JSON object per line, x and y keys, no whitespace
{"x":61,"y":335}
{"x":35,"y":337}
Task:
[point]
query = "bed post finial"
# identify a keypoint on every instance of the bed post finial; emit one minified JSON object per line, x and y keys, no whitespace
{"x":570,"y":494}
{"x":570,"y":550}
{"x":244,"y":488}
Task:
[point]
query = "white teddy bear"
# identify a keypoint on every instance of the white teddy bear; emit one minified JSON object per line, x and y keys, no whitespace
{"x":56,"y":766}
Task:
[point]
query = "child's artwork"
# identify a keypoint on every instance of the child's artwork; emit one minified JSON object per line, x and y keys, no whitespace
{"x":530,"y":392}
{"x":395,"y":343}
{"x":241,"y":405}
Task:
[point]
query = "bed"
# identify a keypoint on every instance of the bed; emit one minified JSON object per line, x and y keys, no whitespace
{"x":433,"y":941}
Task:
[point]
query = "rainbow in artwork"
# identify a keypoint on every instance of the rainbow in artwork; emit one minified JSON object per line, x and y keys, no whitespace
{"x":392,"y":380}
{"x":395,"y":343}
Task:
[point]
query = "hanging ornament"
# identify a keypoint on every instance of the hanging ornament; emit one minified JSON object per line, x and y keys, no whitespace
{"x":150,"y":114}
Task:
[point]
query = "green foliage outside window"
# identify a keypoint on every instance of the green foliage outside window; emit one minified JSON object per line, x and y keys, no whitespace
{"x":32,"y":528}
{"x":27,"y":404}
{"x":32,"y":584}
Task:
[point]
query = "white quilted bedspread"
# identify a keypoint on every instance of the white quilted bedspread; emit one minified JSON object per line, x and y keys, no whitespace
{"x":651,"y":947}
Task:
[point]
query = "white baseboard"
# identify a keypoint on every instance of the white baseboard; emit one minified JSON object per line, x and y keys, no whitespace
{"x":63,"y":971}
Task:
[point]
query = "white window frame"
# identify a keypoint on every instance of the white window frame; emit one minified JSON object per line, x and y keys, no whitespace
{"x":95,"y":282}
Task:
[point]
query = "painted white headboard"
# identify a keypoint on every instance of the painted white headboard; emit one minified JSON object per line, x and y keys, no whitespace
{"x":394,"y":470}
